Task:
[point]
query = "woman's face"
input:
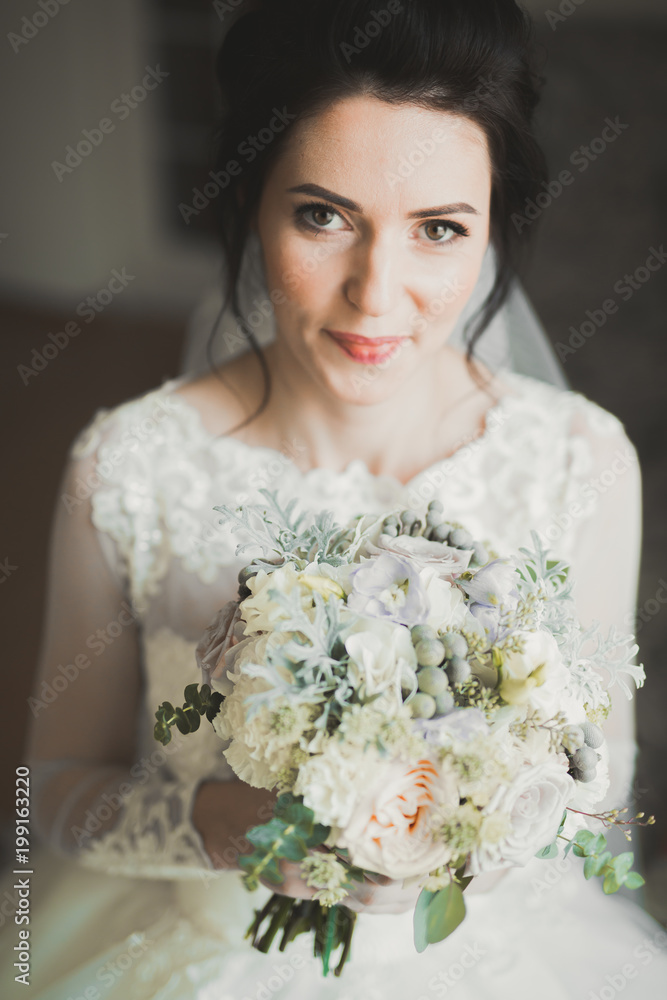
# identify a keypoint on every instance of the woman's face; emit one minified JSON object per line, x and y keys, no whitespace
{"x":373,"y":223}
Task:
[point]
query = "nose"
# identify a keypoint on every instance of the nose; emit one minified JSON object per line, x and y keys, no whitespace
{"x":372,"y":283}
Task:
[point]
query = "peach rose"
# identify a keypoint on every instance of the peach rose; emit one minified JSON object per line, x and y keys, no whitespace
{"x":389,"y":832}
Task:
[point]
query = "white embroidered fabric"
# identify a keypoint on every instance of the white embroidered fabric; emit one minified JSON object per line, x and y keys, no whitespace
{"x":139,"y":567}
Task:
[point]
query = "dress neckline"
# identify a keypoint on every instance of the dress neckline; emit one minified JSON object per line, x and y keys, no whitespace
{"x":493,"y":422}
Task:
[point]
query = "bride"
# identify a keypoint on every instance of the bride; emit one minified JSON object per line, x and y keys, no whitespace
{"x":377,"y":159}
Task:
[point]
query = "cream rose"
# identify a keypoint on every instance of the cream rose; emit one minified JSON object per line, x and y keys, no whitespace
{"x":381,"y":656}
{"x":262,"y":613}
{"x":390,"y":831}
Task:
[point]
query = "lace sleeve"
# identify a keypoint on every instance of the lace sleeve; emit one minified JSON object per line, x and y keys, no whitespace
{"x":93,"y":798}
{"x":604,"y":519}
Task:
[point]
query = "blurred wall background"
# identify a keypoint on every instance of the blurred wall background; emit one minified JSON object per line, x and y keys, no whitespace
{"x":70,"y":220}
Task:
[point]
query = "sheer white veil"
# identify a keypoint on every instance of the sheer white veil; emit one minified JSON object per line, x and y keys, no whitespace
{"x":515,"y":340}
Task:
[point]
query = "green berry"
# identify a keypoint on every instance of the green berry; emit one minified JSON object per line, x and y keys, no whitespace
{"x":436,"y":505}
{"x":434,"y":518}
{"x":585,"y":759}
{"x":572,"y":738}
{"x":480,"y":556}
{"x":459,"y":538}
{"x":458,"y":670}
{"x":408,"y":518}
{"x":441,"y":533}
{"x":430,"y":652}
{"x":593,"y":735}
{"x":418,"y":632}
{"x":432,"y":680}
{"x":390,"y":529}
{"x":444,"y":703}
{"x":455,"y":644}
{"x":422,"y":706}
{"x":582,"y":775}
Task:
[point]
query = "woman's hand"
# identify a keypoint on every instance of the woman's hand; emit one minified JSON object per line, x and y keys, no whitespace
{"x":224,"y":811}
{"x":376,"y":894}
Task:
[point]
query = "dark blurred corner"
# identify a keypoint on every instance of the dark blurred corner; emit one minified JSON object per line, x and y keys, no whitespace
{"x":70,"y":220}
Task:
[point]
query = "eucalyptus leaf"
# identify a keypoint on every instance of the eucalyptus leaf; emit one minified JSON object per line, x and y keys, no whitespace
{"x":437,"y":914}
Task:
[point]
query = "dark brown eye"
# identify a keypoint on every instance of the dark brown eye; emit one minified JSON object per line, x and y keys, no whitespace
{"x":435,"y":231}
{"x":322,"y":216}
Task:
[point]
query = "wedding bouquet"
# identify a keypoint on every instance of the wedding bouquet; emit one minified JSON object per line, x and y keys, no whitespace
{"x":426,"y":710}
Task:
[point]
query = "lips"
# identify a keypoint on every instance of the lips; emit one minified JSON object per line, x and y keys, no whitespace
{"x":366,"y":350}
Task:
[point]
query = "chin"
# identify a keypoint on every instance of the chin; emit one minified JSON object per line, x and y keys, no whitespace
{"x":367,"y":385}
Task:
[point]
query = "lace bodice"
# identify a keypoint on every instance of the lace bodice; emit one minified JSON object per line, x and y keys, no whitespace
{"x":137,"y":546}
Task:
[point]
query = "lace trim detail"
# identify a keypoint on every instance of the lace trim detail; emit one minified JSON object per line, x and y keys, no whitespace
{"x":153,"y":837}
{"x":161,"y":472}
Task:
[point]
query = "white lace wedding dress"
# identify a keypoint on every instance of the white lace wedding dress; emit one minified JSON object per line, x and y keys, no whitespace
{"x":137,"y":547}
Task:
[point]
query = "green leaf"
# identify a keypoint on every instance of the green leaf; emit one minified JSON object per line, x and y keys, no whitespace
{"x":192,"y":696}
{"x":437,"y":914}
{"x":583,"y":838}
{"x":601,"y":861}
{"x":162,"y":733}
{"x":590,"y":867}
{"x":633,"y":880}
{"x":318,"y":835}
{"x":622,"y":864}
{"x":182,"y":723}
{"x":268,"y":833}
{"x":597,"y":846}
{"x":551,"y":851}
{"x":611,"y":883}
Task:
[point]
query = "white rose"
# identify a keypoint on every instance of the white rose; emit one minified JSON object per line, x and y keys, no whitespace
{"x":390,"y":830}
{"x":446,"y":602}
{"x":381,"y":655}
{"x":260,"y":612}
{"x":532,"y":806}
{"x":538,"y":675}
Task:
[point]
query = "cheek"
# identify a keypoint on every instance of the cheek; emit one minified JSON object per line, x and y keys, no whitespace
{"x":302,"y":270}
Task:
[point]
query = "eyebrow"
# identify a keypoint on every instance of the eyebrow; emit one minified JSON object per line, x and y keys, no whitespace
{"x":422,"y":213}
